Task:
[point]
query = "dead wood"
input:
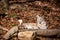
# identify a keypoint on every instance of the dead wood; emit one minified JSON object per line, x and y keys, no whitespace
{"x":49,"y":32}
{"x":10,"y":32}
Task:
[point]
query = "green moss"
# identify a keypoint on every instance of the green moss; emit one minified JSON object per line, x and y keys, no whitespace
{"x":14,"y":24}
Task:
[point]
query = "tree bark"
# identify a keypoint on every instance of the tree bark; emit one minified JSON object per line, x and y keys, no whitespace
{"x":10,"y":32}
{"x":49,"y":32}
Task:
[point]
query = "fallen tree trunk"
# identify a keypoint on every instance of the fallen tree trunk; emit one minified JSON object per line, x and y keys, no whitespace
{"x":10,"y":32}
{"x":49,"y":32}
{"x":45,"y":32}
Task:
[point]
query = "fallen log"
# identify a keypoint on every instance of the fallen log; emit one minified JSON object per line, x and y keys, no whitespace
{"x":45,"y":32}
{"x":10,"y":32}
{"x":49,"y":32}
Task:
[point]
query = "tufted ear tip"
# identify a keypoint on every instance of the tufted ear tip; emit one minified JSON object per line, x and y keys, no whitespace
{"x":37,"y":15}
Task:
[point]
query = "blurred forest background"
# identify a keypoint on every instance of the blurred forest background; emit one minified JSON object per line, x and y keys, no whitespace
{"x":27,"y":11}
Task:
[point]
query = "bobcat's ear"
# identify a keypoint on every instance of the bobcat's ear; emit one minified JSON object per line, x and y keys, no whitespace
{"x":42,"y":16}
{"x":37,"y":16}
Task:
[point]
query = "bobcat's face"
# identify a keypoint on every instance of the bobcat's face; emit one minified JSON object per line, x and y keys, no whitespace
{"x":41,"y":23}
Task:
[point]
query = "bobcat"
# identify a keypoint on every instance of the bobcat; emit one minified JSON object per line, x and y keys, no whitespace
{"x":41,"y":22}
